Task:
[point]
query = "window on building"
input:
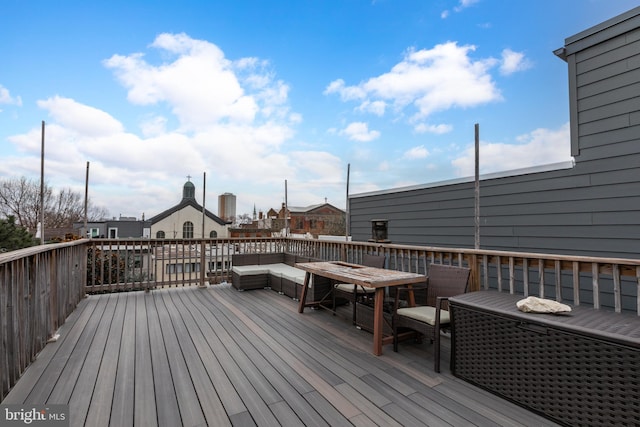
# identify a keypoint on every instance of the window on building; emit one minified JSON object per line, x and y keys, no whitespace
{"x":213,"y":234}
{"x":187,"y":230}
{"x":174,"y":268}
{"x":160,"y":234}
{"x":189,"y":267}
{"x":94,"y":232}
{"x":113,"y":233}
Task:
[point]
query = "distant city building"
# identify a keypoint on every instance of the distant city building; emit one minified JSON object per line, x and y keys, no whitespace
{"x":116,"y":228}
{"x":227,"y":206}
{"x":314,"y":221}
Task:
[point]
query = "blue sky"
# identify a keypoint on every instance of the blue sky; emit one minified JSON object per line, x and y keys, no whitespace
{"x":255,"y":93}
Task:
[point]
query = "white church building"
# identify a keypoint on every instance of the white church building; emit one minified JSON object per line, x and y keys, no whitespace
{"x":185,"y":220}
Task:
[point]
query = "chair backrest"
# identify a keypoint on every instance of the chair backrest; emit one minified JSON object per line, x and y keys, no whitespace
{"x":373,"y":260}
{"x":446,"y":281}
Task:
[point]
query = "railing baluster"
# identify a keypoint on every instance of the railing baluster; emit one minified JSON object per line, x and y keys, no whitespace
{"x":576,"y":283}
{"x":512,"y":275}
{"x":616,"y":288}
{"x":525,"y":276}
{"x":485,"y":267}
{"x":595,"y":289}
{"x":558,"y":281}
{"x":541,"y":276}
{"x":499,"y":271}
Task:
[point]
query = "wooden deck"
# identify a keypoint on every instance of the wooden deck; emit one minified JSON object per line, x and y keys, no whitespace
{"x":216,"y":356}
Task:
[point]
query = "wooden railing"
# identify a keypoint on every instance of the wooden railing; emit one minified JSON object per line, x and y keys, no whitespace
{"x":609,"y":283}
{"x":39,"y":288}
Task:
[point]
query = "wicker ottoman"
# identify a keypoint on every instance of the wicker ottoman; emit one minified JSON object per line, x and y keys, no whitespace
{"x":581,"y":368}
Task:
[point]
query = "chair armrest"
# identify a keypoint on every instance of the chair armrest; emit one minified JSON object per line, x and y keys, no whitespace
{"x":439,"y":301}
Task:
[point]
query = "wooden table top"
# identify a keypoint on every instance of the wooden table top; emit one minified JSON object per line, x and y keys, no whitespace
{"x":361,"y":275}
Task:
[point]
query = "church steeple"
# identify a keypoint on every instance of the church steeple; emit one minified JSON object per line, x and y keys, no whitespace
{"x":189,"y":190}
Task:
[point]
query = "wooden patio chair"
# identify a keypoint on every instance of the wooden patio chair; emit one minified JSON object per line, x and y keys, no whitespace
{"x":354,"y":293}
{"x":429,"y":320}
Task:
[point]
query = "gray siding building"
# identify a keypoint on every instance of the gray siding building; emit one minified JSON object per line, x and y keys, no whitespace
{"x":116,"y":228}
{"x":587,"y":207}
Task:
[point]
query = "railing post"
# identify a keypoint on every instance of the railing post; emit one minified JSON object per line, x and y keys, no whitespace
{"x":203,"y":271}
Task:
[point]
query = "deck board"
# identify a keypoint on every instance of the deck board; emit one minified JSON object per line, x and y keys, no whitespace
{"x":102,"y":397}
{"x":122,"y":411}
{"x":166,"y":400}
{"x":81,"y":398}
{"x":188,"y":403}
{"x":145,"y":409}
{"x":216,"y":356}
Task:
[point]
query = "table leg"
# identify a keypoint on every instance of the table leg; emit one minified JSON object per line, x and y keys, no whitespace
{"x":303,"y":297}
{"x":377,"y":321}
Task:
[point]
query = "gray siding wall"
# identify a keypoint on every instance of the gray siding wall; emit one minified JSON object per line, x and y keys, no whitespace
{"x":591,"y":209}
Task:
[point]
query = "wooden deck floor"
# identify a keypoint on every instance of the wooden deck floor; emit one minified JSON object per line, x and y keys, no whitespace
{"x":216,"y":356}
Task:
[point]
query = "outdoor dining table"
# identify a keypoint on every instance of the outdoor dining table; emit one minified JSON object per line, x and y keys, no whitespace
{"x":377,"y":278}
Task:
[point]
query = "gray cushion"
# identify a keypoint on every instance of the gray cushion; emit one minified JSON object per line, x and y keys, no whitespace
{"x":348,"y":287}
{"x":424,"y":314}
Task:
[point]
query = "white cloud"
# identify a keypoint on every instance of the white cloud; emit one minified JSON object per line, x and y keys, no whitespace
{"x":513,"y":62}
{"x":346,"y":93}
{"x":429,"y":81}
{"x":539,"y":147}
{"x":435,"y":129}
{"x":201,"y":86}
{"x":375,"y":107}
{"x":156,"y":125}
{"x":80,"y":118}
{"x":359,"y":131}
{"x":6,"y":98}
{"x":465,"y":4}
{"x":416,"y":153}
{"x":459,"y":8}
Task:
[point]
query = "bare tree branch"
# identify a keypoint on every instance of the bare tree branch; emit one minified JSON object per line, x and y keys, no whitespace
{"x":21,"y":198}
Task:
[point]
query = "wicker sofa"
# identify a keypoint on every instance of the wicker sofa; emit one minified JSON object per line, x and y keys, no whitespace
{"x":278,"y":272}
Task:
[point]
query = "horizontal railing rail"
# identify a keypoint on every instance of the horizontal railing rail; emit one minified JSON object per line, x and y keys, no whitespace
{"x":39,"y":287}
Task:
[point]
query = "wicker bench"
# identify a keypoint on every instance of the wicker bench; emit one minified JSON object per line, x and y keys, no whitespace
{"x":275,"y":271}
{"x":580,"y":368}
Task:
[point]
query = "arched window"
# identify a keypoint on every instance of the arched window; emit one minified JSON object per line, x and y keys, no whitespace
{"x":160,"y":234}
{"x":187,"y":230}
{"x":213,"y":234}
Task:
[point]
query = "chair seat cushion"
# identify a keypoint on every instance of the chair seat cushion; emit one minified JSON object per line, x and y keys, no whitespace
{"x":424,"y":314}
{"x":348,"y":287}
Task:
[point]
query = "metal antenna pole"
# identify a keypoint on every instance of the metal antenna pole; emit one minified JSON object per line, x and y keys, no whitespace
{"x":347,"y":222}
{"x":477,"y":188}
{"x":86,"y":202}
{"x":42,"y":188}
